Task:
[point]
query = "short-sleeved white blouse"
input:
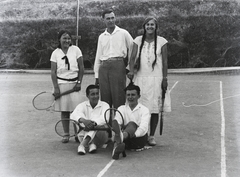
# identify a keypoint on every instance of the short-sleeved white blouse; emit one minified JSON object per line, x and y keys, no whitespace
{"x":148,"y":56}
{"x":73,"y":54}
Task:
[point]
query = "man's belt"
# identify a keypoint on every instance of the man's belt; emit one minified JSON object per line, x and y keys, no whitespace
{"x":113,"y":59}
{"x":73,"y":79}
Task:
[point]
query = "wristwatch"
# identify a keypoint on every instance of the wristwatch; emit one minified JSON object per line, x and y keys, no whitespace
{"x":79,"y":82}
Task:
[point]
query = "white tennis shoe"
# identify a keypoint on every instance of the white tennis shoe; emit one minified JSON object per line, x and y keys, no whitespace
{"x":92,"y":148}
{"x":81,"y":150}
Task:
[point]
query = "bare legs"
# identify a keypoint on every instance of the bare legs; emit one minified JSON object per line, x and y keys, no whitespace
{"x":65,"y":115}
{"x":153,"y":126}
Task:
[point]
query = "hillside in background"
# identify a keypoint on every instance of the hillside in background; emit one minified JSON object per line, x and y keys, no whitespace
{"x":200,"y":33}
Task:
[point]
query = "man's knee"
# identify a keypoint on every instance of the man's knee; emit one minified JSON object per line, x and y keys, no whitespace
{"x":132,"y":125}
{"x":100,"y":138}
{"x":130,"y":129}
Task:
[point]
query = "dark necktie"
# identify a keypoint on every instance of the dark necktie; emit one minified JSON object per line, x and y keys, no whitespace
{"x":66,"y":61}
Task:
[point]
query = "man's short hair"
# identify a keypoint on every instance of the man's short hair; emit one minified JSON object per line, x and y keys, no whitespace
{"x":91,"y":87}
{"x":107,"y":11}
{"x":131,"y":86}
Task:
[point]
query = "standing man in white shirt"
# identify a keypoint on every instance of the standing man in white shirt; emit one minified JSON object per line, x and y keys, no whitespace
{"x":134,"y":126}
{"x":114,"y":45}
{"x":90,"y":114}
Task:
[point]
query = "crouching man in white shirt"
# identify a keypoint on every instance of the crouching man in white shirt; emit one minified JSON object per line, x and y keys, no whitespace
{"x":131,"y":134}
{"x":90,"y":114}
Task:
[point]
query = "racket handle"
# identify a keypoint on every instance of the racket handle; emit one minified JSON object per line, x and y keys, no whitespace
{"x":161,"y":117}
{"x":65,"y":93}
{"x":100,"y":128}
{"x":163,"y":94}
{"x":161,"y":123}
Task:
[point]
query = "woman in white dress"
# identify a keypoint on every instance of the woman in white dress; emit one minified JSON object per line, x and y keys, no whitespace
{"x":66,"y":72}
{"x":148,"y":68}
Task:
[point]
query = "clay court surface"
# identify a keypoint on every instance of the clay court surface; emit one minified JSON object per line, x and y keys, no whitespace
{"x":201,"y":136}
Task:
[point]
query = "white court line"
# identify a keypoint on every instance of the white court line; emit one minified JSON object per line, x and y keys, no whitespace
{"x":173,"y":86}
{"x":104,"y":170}
{"x":223,"y":147}
{"x":17,"y":94}
{"x":201,"y":81}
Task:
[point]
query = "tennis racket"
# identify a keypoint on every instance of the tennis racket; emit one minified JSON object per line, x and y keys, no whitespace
{"x":70,"y":128}
{"x":46,"y":100}
{"x":161,"y":112}
{"x":112,"y":114}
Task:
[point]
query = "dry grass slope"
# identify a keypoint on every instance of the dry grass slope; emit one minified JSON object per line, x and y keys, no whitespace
{"x":207,"y":31}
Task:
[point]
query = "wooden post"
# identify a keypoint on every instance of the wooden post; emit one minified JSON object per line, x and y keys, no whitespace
{"x":77,"y":22}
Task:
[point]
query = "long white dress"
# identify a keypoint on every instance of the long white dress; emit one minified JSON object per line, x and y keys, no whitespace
{"x":148,"y":79}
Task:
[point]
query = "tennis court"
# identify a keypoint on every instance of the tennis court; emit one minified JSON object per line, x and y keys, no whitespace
{"x":201,"y":135}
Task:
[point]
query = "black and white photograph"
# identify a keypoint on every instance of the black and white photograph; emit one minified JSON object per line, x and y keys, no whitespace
{"x":120,"y":88}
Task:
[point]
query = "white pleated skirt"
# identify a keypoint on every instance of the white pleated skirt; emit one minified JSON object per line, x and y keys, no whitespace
{"x":67,"y":102}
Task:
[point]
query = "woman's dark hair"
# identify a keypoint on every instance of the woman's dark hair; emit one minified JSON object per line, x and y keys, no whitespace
{"x":142,"y":42}
{"x":60,"y":35}
{"x":91,"y":87}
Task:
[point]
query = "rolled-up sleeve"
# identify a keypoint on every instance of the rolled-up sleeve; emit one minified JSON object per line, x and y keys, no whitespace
{"x":78,"y":112}
{"x":97,"y":61}
{"x":129,"y":43}
{"x":143,"y":127}
{"x":102,"y":119}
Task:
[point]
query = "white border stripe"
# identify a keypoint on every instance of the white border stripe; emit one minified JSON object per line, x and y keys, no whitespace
{"x":223,"y":148}
{"x":105,"y":168}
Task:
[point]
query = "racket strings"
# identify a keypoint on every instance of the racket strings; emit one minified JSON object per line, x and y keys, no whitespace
{"x":207,"y":104}
{"x":67,"y":128}
{"x":43,"y":100}
{"x":70,"y":128}
{"x":112,"y":112}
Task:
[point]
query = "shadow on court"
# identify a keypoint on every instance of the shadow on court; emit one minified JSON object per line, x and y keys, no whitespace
{"x":201,"y":135}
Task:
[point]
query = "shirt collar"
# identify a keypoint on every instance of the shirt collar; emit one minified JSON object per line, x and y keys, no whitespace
{"x":98,"y":104}
{"x":136,"y":108}
{"x":115,"y":30}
